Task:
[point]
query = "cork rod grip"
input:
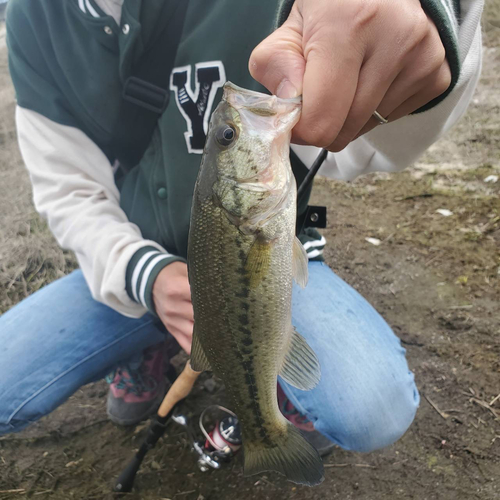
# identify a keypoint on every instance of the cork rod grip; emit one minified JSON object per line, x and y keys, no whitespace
{"x":179,"y":390}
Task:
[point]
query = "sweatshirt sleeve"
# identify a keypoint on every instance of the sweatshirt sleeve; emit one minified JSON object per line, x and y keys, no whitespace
{"x":396,"y":145}
{"x":74,"y":189}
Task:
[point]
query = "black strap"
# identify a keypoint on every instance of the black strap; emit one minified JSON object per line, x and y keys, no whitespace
{"x":145,"y":95}
{"x":146,"y":92}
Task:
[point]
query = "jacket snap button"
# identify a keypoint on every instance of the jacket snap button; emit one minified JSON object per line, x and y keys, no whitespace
{"x":108,"y":30}
{"x":126,"y":29}
{"x":162,"y":193}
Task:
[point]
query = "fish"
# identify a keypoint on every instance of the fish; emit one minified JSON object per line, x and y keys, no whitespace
{"x":242,"y":258}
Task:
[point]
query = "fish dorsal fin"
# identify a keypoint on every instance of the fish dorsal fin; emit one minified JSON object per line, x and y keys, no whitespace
{"x":199,"y":361}
{"x":301,"y":366}
{"x":299,"y":263}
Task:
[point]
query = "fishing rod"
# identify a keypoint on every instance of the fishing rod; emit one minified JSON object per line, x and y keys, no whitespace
{"x":224,"y":440}
{"x":320,"y":159}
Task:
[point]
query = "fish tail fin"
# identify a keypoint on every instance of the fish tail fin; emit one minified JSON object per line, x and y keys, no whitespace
{"x":290,"y":454}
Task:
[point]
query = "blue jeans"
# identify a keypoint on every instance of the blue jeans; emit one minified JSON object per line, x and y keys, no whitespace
{"x":59,"y":339}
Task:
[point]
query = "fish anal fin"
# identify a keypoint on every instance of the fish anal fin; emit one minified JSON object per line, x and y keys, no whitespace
{"x":300,"y":366}
{"x":299,"y":263}
{"x":199,"y":361}
{"x":290,"y":455}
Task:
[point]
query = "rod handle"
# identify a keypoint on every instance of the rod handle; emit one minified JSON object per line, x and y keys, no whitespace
{"x":125,"y":481}
{"x":179,"y":390}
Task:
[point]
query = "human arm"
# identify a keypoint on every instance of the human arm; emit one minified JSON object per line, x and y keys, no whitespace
{"x":74,"y":189}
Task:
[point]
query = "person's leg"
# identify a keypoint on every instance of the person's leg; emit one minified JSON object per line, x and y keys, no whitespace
{"x":366,"y":398}
{"x":57,"y":340}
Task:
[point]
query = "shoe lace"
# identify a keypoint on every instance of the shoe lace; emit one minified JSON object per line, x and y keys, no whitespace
{"x":132,"y":379}
{"x":288,"y":409}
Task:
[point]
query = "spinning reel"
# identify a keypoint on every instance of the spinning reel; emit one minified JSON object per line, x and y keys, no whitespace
{"x":213,"y":448}
{"x":221,"y":444}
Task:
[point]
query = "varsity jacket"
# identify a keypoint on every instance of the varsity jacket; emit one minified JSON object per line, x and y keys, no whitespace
{"x":125,"y":221}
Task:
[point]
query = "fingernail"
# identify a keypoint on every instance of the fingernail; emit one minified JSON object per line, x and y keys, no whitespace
{"x":286,"y":90}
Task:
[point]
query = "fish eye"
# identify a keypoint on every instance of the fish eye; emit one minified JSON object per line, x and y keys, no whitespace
{"x":225,"y":135}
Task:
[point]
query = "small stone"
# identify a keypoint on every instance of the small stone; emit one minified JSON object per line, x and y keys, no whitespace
{"x":491,"y":178}
{"x":444,"y":212}
{"x":210,"y":385}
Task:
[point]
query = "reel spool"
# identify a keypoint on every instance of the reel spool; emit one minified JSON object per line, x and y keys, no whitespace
{"x":221,"y":443}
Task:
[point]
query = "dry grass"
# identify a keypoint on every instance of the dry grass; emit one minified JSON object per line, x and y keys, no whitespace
{"x":29,"y":255}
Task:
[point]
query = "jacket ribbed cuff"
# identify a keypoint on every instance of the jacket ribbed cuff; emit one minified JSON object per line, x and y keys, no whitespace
{"x":313,"y":244}
{"x":445,"y":14}
{"x":142,"y":270}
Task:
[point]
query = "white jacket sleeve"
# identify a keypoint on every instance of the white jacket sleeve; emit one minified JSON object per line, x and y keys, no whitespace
{"x":74,"y":189}
{"x":395,"y":146}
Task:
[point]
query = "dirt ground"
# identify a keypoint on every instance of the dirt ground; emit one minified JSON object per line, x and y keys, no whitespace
{"x":435,"y":278}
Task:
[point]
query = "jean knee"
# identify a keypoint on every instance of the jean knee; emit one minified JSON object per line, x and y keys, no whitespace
{"x":13,"y":426}
{"x":372,"y":422}
{"x":23,"y":409}
{"x":12,"y":423}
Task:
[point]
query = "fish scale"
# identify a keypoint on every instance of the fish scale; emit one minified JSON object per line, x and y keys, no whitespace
{"x":241,"y":260}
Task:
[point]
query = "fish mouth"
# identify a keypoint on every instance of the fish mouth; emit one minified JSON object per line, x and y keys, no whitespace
{"x":257,"y":102}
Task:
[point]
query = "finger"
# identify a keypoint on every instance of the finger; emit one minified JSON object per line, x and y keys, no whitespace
{"x":178,"y":289}
{"x":184,"y":341}
{"x":375,"y":79}
{"x":436,"y":87}
{"x":181,"y":310}
{"x":426,"y":73}
{"x":330,"y":82}
{"x":400,"y":101}
{"x":277,"y":62}
{"x":182,"y":331}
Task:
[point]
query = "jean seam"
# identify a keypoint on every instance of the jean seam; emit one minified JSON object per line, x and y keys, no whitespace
{"x":84,"y":360}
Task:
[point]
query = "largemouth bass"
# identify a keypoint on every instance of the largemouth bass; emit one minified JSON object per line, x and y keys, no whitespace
{"x":242,"y":257}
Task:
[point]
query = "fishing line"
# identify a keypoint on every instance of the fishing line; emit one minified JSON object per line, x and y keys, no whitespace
{"x":312,"y":172}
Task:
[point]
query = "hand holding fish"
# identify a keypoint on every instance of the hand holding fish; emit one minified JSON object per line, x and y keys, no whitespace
{"x":349,"y":59}
{"x":172,"y":299}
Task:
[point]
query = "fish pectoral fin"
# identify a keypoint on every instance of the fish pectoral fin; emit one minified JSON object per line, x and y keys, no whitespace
{"x":199,"y":361}
{"x":299,"y":263}
{"x":258,"y":261}
{"x":301,"y":365}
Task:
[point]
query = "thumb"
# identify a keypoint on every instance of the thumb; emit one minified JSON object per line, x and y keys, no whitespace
{"x":278,"y":62}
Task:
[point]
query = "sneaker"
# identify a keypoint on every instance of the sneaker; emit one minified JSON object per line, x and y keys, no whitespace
{"x":136,"y":390}
{"x":306,"y":427}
